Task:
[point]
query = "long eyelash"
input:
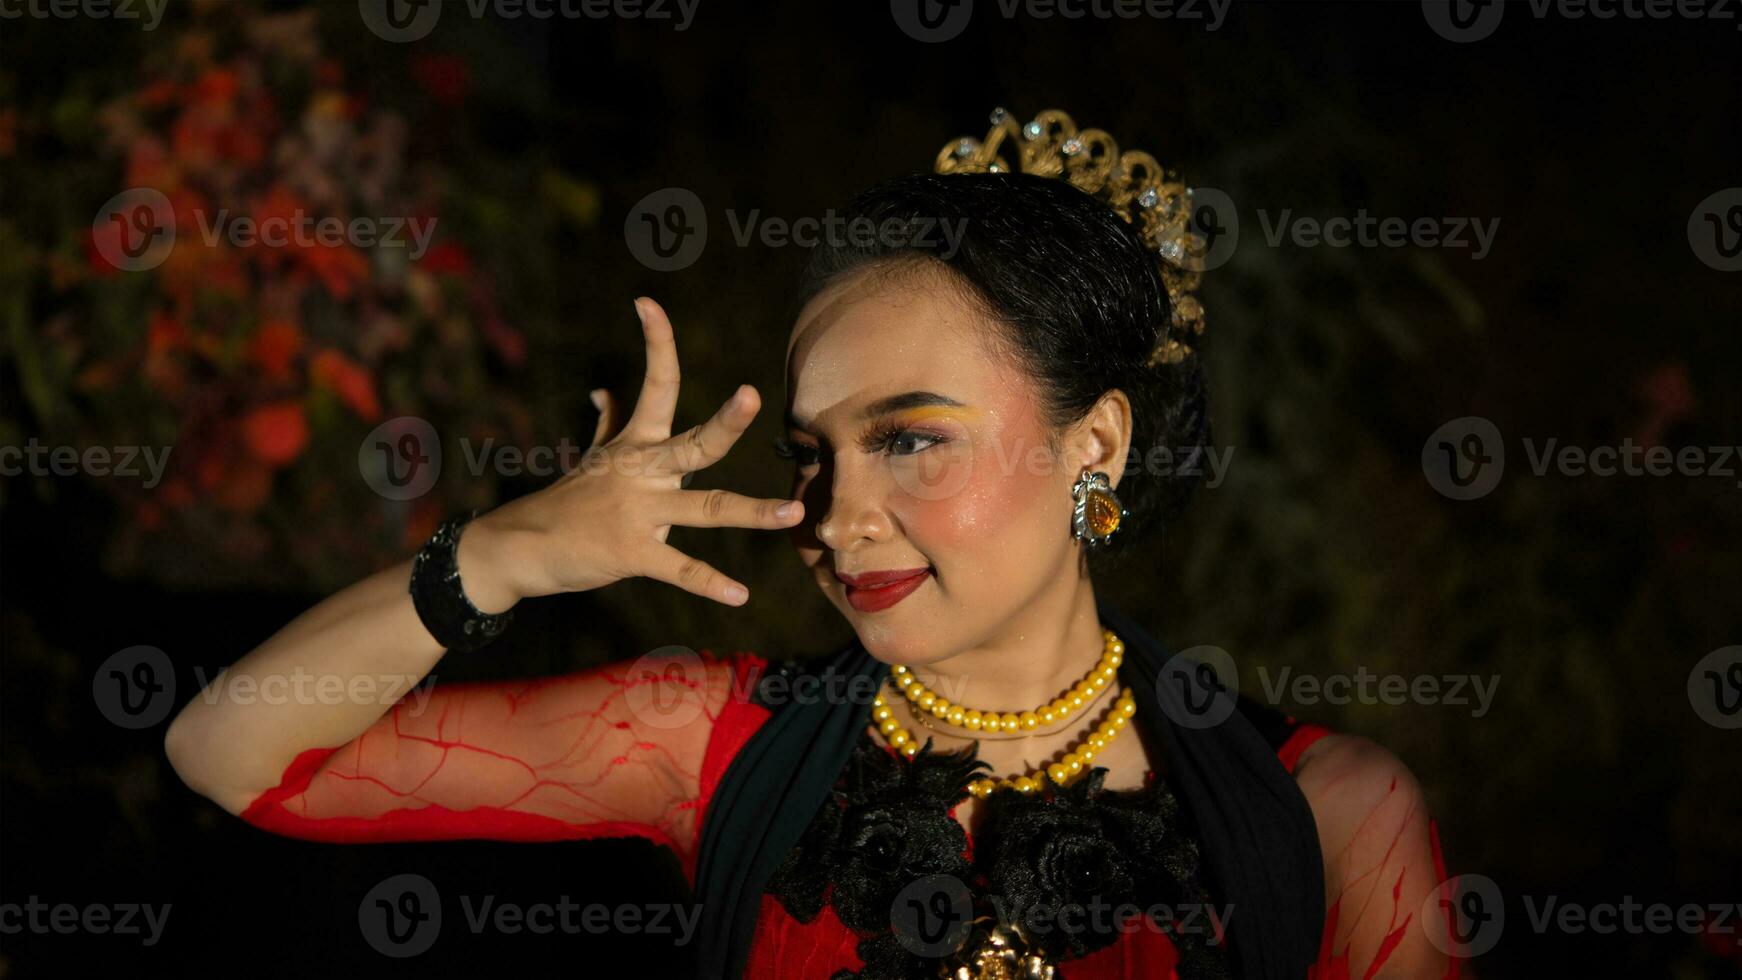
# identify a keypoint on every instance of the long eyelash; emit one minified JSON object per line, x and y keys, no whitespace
{"x":885,"y":434}
{"x":879,"y":440}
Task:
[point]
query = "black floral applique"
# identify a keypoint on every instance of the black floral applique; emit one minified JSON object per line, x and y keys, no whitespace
{"x":1081,"y":846}
{"x":884,"y":828}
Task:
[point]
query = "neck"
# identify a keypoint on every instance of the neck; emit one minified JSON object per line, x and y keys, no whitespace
{"x":1037,"y":655}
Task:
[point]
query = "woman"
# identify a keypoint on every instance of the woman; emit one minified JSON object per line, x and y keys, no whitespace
{"x":1036,"y":788}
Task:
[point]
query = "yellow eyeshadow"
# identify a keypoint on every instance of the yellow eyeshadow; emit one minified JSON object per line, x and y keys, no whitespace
{"x":940,"y":412}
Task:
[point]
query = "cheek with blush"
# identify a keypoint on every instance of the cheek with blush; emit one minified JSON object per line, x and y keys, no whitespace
{"x":997,"y":513}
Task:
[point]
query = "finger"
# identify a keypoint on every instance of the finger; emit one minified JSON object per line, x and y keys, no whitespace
{"x":694,"y":575}
{"x":657,"y":403}
{"x":723,"y":508}
{"x":607,"y":407}
{"x":706,"y":444}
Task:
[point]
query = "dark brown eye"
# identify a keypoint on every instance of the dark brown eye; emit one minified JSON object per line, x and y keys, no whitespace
{"x":798,"y":452}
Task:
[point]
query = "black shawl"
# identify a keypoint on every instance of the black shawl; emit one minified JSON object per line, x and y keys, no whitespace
{"x":1259,"y":843}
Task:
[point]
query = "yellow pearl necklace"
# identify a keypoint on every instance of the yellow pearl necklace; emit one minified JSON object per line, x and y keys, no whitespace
{"x":1071,"y":765}
{"x":1080,"y":695}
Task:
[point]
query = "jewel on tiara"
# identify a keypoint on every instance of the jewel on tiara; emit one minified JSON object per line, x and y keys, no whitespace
{"x":1152,"y":199}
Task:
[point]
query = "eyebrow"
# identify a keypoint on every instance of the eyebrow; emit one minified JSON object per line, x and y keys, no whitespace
{"x":883,"y":406}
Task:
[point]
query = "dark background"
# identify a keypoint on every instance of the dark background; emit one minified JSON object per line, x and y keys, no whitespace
{"x":1592,"y":321}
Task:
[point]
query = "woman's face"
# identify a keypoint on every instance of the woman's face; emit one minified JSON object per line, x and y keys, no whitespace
{"x":920,"y":450}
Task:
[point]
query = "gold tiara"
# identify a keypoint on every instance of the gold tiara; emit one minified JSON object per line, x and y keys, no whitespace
{"x":1154,"y":200}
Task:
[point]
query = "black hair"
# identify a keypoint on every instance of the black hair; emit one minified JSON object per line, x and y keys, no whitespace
{"x":1081,"y":298}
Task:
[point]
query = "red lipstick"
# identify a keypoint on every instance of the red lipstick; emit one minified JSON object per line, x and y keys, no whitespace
{"x":872,"y":591}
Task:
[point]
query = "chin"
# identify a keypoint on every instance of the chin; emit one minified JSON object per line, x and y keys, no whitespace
{"x":911,"y":644}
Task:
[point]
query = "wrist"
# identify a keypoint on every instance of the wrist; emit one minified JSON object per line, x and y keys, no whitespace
{"x":484,"y":562}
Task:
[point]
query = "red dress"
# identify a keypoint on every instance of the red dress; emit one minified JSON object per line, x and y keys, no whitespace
{"x":625,"y":750}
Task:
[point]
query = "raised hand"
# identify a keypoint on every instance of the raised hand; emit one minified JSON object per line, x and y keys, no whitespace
{"x":608,"y":519}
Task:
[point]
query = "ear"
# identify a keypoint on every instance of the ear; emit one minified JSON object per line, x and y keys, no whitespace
{"x":1101,"y":440}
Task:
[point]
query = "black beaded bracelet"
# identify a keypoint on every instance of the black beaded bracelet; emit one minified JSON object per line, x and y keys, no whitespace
{"x":441,"y":603}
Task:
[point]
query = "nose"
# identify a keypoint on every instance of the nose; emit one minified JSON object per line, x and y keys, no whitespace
{"x":854,"y":512}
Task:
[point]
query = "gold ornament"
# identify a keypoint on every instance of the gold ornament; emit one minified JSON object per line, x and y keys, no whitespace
{"x":1098,"y":512}
{"x":1137,"y":188}
{"x":996,"y":951}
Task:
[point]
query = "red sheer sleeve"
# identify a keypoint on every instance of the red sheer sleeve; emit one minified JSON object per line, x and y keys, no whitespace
{"x":623,"y":750}
{"x":1382,"y":862}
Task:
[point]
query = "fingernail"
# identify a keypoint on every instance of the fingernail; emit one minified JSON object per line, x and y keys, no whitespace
{"x":786,"y":510}
{"x":638,"y":314}
{"x":597,"y":397}
{"x":737,"y":594}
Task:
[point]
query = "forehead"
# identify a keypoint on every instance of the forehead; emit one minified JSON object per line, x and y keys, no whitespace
{"x":876,"y":334}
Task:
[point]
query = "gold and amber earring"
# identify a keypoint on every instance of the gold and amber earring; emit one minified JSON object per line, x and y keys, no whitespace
{"x":1098,"y":512}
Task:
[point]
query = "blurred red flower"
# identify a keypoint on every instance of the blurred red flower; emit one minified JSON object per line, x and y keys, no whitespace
{"x":273,"y":350}
{"x":276,"y":433}
{"x":445,"y":77}
{"x":348,"y":380}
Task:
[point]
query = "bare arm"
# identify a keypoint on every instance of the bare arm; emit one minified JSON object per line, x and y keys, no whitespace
{"x":233,"y":746}
{"x":606,"y":521}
